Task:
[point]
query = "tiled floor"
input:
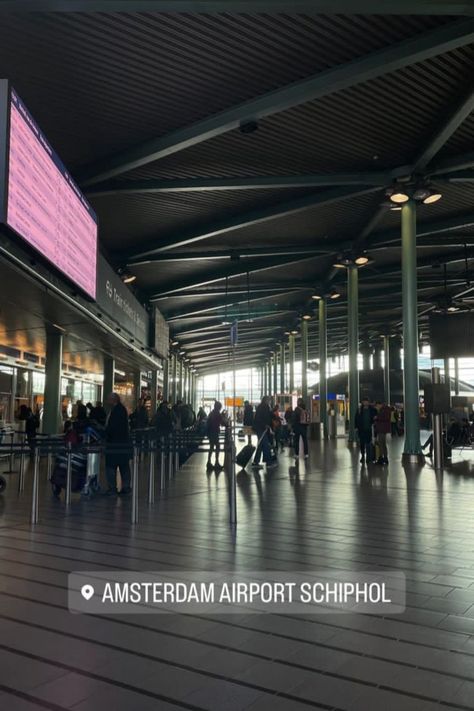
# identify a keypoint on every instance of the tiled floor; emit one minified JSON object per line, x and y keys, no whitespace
{"x":328,"y":513}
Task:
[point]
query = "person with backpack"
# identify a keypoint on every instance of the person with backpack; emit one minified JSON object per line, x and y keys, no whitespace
{"x":301,"y":420}
{"x":214,"y":423}
{"x":363,"y":422}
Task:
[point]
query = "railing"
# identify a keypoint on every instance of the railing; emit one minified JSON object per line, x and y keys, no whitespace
{"x":170,"y":451}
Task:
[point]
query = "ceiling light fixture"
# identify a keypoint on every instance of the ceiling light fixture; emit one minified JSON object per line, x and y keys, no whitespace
{"x":432,"y":197}
{"x":306,"y":317}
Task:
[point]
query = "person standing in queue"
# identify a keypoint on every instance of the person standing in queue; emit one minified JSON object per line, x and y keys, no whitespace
{"x":364,"y":421}
{"x":118,"y":447}
{"x":301,"y":420}
{"x":214,"y":423}
{"x":262,"y":426}
{"x":248,"y":421}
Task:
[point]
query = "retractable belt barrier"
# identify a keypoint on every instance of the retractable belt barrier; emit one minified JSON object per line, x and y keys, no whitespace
{"x":172,"y":450}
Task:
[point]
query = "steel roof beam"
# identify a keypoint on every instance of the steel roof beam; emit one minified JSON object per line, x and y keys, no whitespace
{"x":382,"y":239}
{"x":362,"y":69}
{"x":153,"y":186}
{"x":461,"y":176}
{"x":232,"y":254}
{"x":254,"y":217}
{"x":444,"y":133}
{"x":231,"y":273}
{"x":451,"y":165}
{"x":376,"y":7}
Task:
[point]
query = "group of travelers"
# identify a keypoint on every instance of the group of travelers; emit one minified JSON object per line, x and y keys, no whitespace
{"x":272,"y":429}
{"x":373,"y":423}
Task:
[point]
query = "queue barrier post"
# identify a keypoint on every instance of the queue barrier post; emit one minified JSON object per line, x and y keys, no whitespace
{"x":162,"y":465}
{"x":21,"y":478}
{"x":50,"y":464}
{"x":176,"y":451}
{"x":151,"y":472}
{"x":34,"y":492}
{"x":12,"y":454}
{"x":136,"y":455}
{"x":68,"y":474}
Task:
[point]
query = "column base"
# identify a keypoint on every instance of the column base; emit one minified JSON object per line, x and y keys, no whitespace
{"x":413,"y":459}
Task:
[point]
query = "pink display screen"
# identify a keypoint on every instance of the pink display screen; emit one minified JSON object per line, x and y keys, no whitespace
{"x":45,"y":207}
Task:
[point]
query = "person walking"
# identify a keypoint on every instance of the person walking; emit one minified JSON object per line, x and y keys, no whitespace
{"x":118,"y":446}
{"x":301,"y":420}
{"x":262,"y":426}
{"x":248,"y":419}
{"x":364,"y":421}
{"x":214,"y":423}
{"x":382,"y":429}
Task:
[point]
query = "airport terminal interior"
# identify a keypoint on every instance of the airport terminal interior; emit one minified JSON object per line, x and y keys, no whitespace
{"x":236,"y":354}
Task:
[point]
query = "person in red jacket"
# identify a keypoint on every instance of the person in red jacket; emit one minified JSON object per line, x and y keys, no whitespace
{"x":383,"y":428}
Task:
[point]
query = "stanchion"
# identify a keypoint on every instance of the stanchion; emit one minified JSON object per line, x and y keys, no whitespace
{"x":151,"y":472}
{"x":68,"y":474}
{"x":162,"y":465}
{"x":233,"y":485}
{"x":50,"y":464}
{"x":176,"y":451}
{"x":135,"y":485}
{"x":170,"y":455}
{"x":12,"y":455}
{"x":21,"y":478}
{"x":34,"y":492}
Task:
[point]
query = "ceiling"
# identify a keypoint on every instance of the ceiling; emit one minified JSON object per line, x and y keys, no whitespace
{"x":232,"y":150}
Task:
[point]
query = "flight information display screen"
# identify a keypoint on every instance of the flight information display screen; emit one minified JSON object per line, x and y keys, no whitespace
{"x":44,"y":205}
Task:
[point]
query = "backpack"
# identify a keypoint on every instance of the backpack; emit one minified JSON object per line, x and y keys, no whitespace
{"x":301,"y":417}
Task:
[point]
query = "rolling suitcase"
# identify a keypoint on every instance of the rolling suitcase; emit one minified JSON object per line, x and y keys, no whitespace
{"x":245,"y":455}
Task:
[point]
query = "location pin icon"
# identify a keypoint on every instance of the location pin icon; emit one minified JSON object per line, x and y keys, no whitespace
{"x":87,"y":591}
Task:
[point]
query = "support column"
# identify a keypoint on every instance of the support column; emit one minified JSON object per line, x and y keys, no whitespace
{"x":353,"y":344}
{"x":291,"y":362}
{"x":412,"y":447}
{"x":447,"y":378}
{"x":395,"y":354}
{"x":166,"y":379}
{"x":386,"y":372}
{"x":179,"y":374}
{"x":153,"y":391}
{"x":52,"y":388}
{"x":323,"y":347}
{"x":304,"y":360}
{"x":366,"y":353}
{"x":377,"y":361}
{"x":109,"y":380}
{"x":174,"y":378}
{"x":456,"y":376}
{"x":282,"y":368}
{"x":137,"y":385}
{"x":275,"y":375}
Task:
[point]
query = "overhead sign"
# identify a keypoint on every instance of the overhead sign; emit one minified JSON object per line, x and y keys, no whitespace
{"x":234,"y":334}
{"x":43,"y":204}
{"x":117,"y":301}
{"x":161,"y":340}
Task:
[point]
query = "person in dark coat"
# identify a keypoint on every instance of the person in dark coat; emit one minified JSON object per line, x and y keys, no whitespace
{"x":214,"y":423}
{"x":31,"y":425}
{"x":248,"y":420}
{"x":163,"y":420}
{"x":262,"y":425}
{"x":364,"y":421}
{"x":117,"y":454}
